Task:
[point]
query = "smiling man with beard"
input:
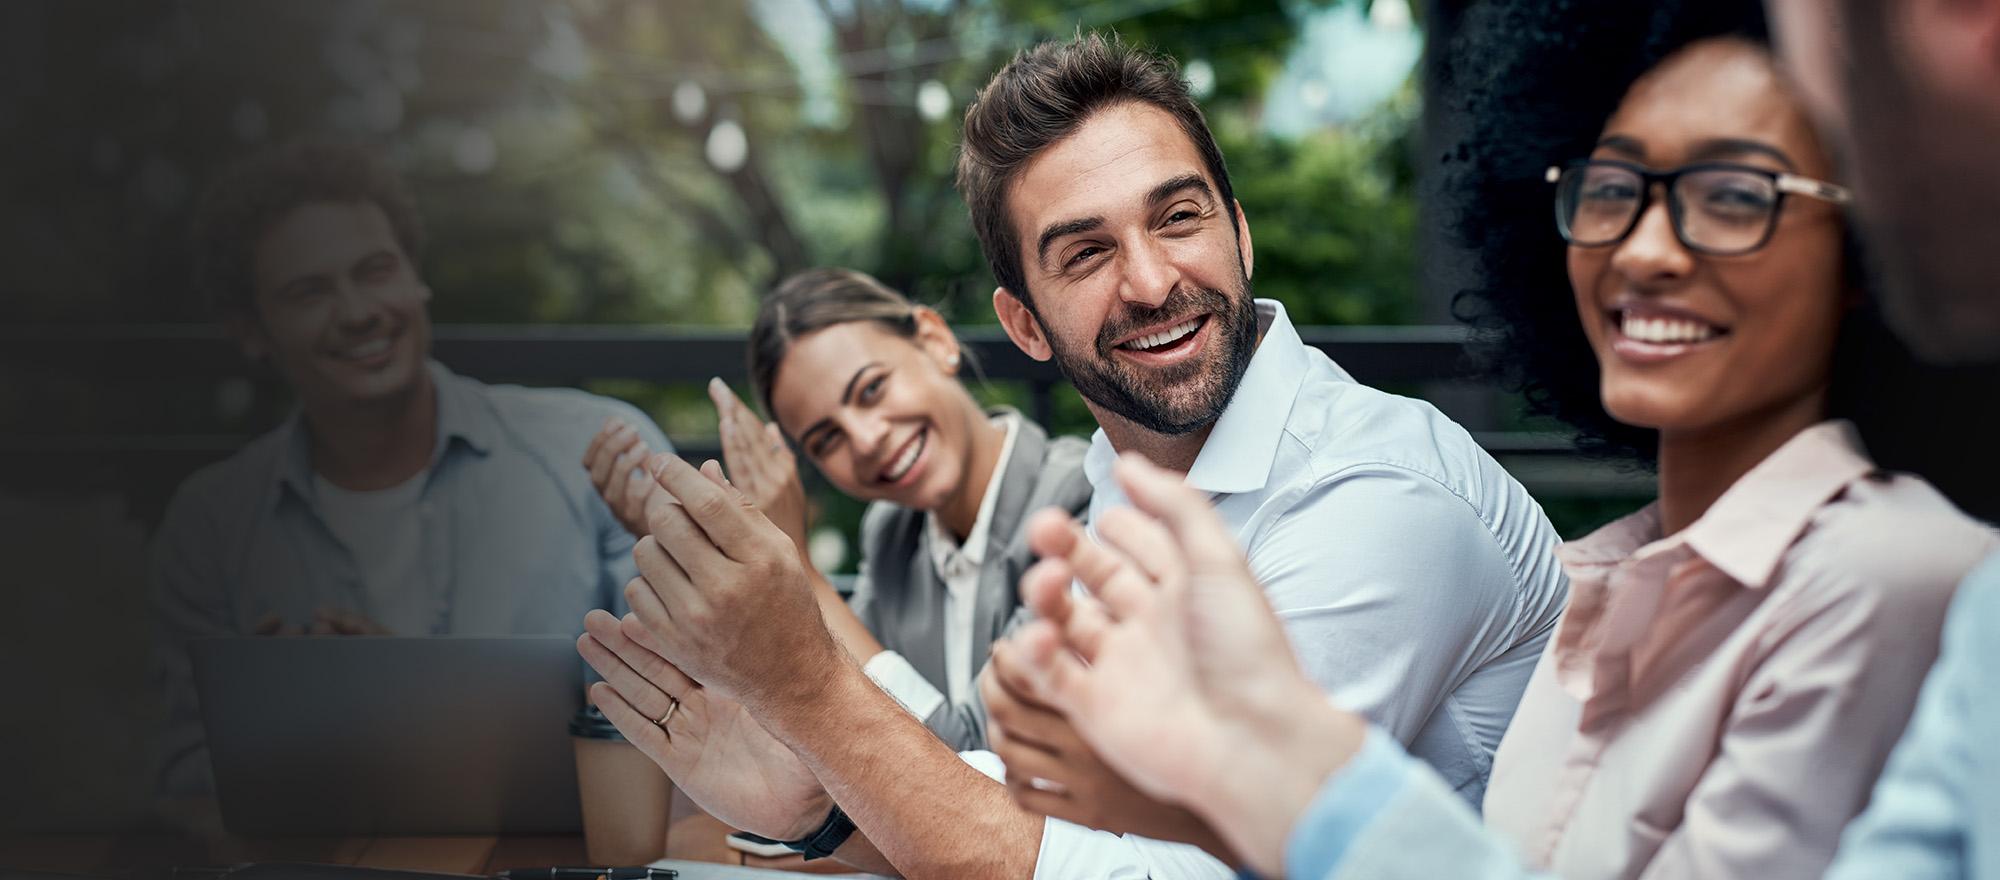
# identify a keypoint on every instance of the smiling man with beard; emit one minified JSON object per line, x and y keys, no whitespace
{"x":1415,"y":578}
{"x":399,"y":498}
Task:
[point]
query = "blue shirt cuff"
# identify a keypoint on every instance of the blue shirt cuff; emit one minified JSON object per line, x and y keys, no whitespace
{"x":1346,"y":802}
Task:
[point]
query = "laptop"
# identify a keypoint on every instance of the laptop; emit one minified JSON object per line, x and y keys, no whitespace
{"x":354,"y":735}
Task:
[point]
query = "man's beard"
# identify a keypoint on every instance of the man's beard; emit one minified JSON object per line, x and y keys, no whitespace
{"x":1929,"y":207}
{"x":1179,"y":399}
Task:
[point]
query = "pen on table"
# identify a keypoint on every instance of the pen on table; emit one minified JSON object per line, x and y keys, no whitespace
{"x":641,"y":873}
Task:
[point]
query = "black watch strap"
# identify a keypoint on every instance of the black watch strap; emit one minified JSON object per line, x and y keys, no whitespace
{"x":829,"y":837}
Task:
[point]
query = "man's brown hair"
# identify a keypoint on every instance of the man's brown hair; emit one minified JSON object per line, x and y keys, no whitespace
{"x":1041,"y":97}
{"x":250,"y":196}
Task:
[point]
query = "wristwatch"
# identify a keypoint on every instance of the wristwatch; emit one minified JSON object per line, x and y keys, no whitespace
{"x":829,"y":837}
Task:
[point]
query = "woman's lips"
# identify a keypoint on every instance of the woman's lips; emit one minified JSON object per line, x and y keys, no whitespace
{"x":905,"y":463}
{"x":1650,"y":337}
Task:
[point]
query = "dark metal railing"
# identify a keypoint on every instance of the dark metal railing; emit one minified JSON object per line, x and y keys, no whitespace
{"x":1418,"y":359}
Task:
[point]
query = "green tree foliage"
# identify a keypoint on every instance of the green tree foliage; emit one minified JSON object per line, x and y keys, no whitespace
{"x":574,"y":161}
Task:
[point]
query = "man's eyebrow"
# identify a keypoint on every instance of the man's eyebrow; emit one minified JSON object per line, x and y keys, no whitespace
{"x":1167,"y":189}
{"x":1179,"y":185}
{"x":1058,"y":230}
{"x":1711,"y":149}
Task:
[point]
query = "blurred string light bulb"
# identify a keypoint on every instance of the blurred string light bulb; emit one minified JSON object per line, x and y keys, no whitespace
{"x":690,"y":102}
{"x":1200,"y":78}
{"x":474,"y":151}
{"x":933,"y":100}
{"x":727,"y":148}
{"x":827,"y":548}
{"x":1392,"y":16}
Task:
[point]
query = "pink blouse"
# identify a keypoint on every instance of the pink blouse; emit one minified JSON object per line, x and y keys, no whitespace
{"x":1717,"y":703}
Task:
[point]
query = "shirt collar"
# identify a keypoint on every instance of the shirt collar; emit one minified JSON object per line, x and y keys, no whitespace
{"x":1746,"y":532}
{"x":1613,"y":543}
{"x":1243,"y":444}
{"x":463,"y":414}
{"x":942,"y":544}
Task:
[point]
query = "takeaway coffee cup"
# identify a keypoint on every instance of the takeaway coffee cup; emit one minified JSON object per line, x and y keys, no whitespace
{"x":627,"y":799}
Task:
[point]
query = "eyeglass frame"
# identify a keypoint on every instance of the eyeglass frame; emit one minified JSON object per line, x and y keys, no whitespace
{"x":1783,"y":183}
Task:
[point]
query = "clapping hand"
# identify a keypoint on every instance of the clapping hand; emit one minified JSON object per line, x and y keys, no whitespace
{"x":759,"y":463}
{"x":715,"y":752}
{"x":725,"y":593}
{"x":1052,"y":771}
{"x":1179,"y":675}
{"x":613,"y":460}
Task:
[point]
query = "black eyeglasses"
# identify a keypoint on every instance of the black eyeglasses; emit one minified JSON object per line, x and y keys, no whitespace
{"x":1717,"y":208}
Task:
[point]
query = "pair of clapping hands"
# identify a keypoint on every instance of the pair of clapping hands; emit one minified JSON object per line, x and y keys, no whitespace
{"x":760,"y":465}
{"x":724,"y":622}
{"x":1166,"y":703}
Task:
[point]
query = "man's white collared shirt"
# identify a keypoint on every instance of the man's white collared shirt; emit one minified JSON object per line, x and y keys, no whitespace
{"x":1416,"y":580}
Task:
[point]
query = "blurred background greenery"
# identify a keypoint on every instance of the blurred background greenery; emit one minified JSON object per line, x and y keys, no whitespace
{"x":664,"y":161}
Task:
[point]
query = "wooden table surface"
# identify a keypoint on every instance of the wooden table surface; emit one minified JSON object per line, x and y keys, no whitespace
{"x":693,"y":836}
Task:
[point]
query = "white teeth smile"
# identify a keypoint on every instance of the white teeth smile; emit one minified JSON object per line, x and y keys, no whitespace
{"x":366,"y":350}
{"x":1665,"y":330}
{"x":901,"y":466}
{"x":1165,"y":337}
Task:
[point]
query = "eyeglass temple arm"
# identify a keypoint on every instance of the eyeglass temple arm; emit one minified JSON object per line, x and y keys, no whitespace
{"x":1818,"y":189}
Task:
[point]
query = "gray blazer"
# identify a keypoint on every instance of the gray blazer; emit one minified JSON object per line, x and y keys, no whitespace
{"x":900,"y":598}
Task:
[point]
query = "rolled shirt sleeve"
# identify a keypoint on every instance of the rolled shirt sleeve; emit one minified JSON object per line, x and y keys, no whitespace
{"x":1932,"y":798}
{"x":1386,"y":816}
{"x":895,"y":676}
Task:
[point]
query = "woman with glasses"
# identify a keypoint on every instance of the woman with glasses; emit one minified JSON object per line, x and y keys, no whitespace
{"x":1737,"y":658}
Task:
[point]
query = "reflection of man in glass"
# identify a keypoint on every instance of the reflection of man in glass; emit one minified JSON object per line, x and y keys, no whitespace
{"x":400,"y":498}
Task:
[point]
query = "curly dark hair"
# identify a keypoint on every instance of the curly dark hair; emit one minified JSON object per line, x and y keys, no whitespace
{"x":256,"y":192}
{"x":1535,"y":81}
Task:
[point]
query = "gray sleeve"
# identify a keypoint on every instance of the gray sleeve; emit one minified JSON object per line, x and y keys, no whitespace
{"x":862,"y":600}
